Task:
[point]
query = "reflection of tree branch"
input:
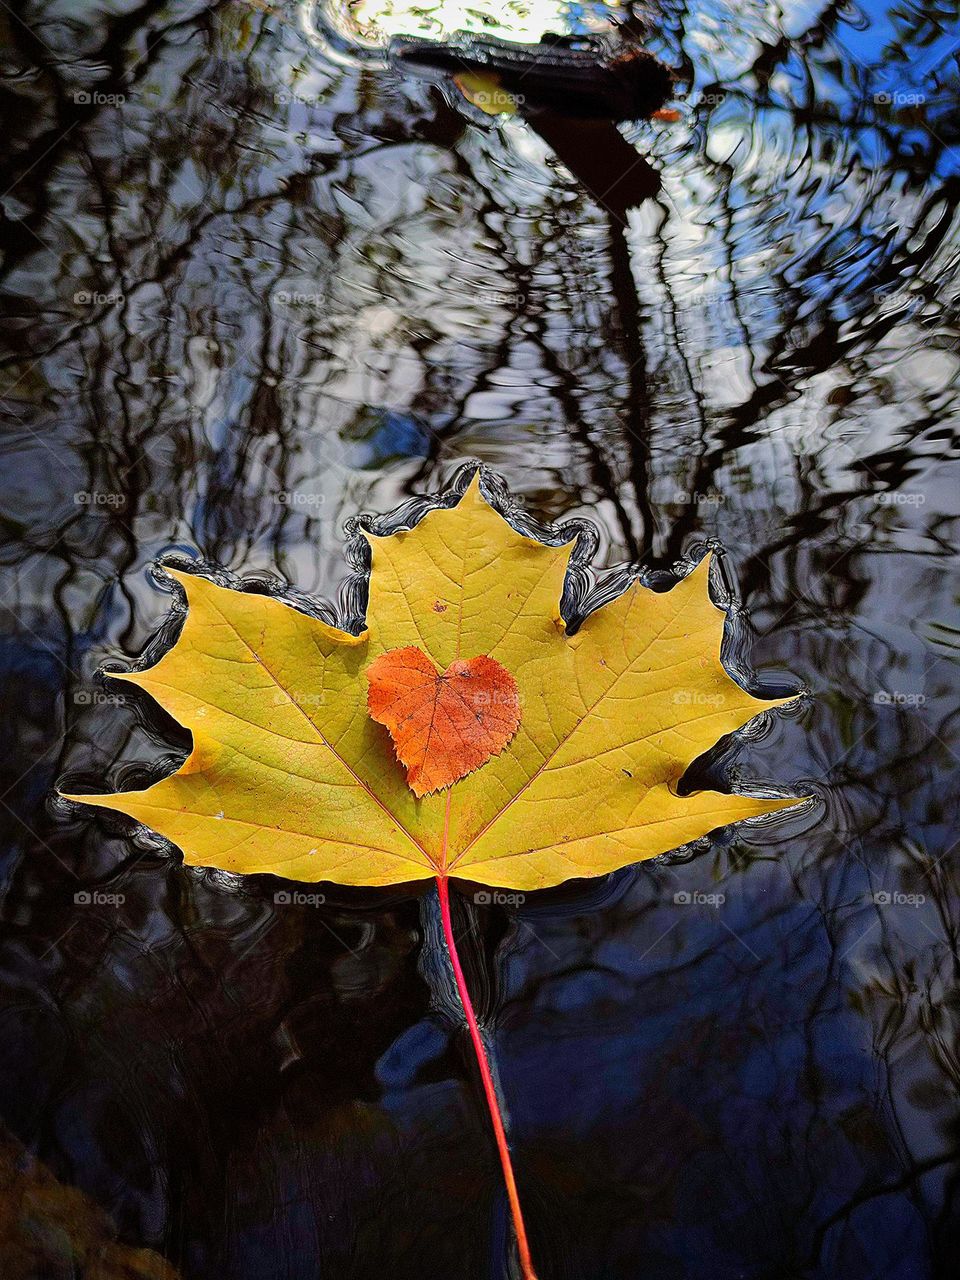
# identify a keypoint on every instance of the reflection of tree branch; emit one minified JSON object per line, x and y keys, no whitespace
{"x":41,"y":157}
{"x":907,"y":1182}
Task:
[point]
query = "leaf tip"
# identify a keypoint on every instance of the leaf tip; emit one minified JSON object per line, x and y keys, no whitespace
{"x":777,"y":804}
{"x":132,"y":677}
{"x":178,"y":575}
{"x":472,"y":495}
{"x":701,"y":569}
{"x":92,"y":801}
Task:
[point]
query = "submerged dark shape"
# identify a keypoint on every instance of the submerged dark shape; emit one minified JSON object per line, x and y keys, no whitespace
{"x":610,"y":77}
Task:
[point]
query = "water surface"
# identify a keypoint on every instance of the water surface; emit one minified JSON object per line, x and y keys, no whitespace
{"x":255,"y":284}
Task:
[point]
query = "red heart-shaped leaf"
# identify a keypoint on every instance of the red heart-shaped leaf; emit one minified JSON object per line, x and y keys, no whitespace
{"x":443,"y":724}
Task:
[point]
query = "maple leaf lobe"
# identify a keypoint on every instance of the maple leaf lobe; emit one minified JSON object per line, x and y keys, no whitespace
{"x":444,"y":724}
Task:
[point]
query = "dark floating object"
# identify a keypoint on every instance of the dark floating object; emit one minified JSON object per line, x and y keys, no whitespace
{"x":610,"y":77}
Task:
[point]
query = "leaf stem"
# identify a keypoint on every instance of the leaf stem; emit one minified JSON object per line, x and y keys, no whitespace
{"x":489,"y":1089}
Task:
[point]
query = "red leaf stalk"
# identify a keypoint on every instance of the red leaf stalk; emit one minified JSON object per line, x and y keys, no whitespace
{"x":489,"y":1089}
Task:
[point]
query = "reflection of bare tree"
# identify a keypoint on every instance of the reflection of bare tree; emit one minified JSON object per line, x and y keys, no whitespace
{"x":296,"y":308}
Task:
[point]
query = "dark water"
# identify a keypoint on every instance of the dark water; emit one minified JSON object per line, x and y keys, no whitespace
{"x":251,"y":289}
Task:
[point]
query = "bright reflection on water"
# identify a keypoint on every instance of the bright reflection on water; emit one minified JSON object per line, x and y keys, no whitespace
{"x":516,"y":19}
{"x":367,"y":25}
{"x":251,"y":290}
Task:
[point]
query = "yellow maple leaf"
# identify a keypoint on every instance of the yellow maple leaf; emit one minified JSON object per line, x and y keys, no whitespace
{"x":290,"y":775}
